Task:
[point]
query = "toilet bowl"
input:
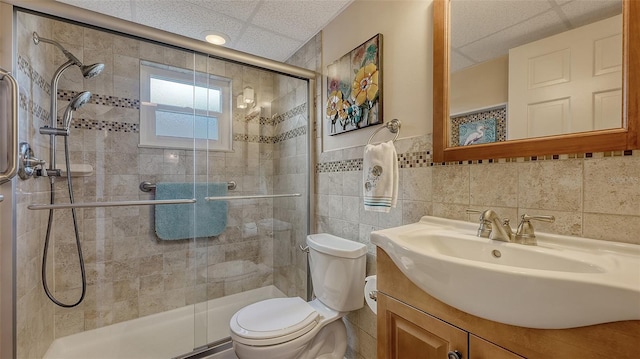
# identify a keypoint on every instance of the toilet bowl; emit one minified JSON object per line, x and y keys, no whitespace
{"x":288,"y":328}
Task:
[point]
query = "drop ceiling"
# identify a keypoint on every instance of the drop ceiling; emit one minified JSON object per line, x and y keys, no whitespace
{"x":486,"y":29}
{"x":274,"y":29}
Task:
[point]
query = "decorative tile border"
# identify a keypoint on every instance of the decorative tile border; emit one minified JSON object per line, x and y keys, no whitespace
{"x":105,"y":100}
{"x":298,"y":110}
{"x":415,"y":159}
{"x":255,"y":118}
{"x":423,"y":159}
{"x":88,"y":124}
{"x":38,"y":80}
{"x":587,"y":155}
{"x":405,"y":160}
{"x":300,"y":131}
{"x":33,"y":108}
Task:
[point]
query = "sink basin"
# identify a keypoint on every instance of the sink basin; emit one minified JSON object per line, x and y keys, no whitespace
{"x":563,"y":282}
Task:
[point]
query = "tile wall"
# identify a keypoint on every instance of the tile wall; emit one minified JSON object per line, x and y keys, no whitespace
{"x":130,"y":272}
{"x":594,"y":195}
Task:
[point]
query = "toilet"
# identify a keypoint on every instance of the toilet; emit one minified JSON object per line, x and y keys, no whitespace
{"x":288,"y":328}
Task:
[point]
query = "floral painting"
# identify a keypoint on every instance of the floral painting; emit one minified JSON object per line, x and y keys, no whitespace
{"x":354,"y":89}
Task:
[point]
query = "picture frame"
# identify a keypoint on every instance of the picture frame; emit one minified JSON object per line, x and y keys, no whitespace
{"x":484,"y":125}
{"x":354,"y":89}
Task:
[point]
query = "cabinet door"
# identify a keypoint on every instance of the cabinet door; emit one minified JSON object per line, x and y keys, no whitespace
{"x":482,"y":349}
{"x":407,"y":333}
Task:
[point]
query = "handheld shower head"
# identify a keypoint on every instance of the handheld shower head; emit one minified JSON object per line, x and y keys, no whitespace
{"x":78,"y":101}
{"x":88,"y":71}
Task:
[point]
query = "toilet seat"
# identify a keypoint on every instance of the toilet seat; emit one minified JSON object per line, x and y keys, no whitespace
{"x":273,"y":321}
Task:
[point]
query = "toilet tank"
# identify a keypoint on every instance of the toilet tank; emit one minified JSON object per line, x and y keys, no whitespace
{"x":337,"y":271}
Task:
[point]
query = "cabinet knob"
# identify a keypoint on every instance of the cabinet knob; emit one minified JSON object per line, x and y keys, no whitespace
{"x":454,"y":354}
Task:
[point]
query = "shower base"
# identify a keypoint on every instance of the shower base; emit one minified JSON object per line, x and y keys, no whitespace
{"x":163,"y":335}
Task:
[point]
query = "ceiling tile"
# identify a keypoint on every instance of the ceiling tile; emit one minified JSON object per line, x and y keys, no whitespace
{"x":458,"y":62}
{"x":266,"y":44}
{"x":298,"y":19}
{"x":585,"y":12}
{"x":499,"y":43}
{"x":116,"y":8}
{"x":473,"y":19}
{"x":187,"y":19}
{"x":241,"y":10}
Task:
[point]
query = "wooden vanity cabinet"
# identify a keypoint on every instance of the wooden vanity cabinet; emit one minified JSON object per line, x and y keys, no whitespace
{"x":412,"y":324}
{"x":406,"y":332}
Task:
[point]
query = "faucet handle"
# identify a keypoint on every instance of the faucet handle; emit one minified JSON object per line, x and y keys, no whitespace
{"x":525,"y":233}
{"x":485,"y":226}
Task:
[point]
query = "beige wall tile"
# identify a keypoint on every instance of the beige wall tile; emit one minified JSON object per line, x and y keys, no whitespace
{"x":494,"y":185}
{"x":451,"y":184}
{"x":416,"y":184}
{"x":609,"y":227}
{"x":611,"y":185}
{"x":550,"y":185}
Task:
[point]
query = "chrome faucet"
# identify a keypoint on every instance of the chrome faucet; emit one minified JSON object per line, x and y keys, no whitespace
{"x":498,"y":231}
{"x":492,"y":227}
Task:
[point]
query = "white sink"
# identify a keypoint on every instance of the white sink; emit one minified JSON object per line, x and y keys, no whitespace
{"x":563,"y":282}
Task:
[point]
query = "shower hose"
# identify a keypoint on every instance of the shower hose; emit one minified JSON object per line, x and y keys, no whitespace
{"x":77,"y":235}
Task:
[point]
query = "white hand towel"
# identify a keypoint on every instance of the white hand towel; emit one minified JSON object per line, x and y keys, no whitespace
{"x":380,"y":177}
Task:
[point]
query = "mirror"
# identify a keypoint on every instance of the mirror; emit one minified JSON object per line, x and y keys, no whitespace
{"x":449,"y":144}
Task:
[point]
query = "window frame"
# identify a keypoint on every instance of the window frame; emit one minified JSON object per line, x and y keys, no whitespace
{"x":148,"y":137}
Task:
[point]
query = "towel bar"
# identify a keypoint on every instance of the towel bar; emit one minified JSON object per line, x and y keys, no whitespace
{"x":227,"y":198}
{"x":147,"y":186}
{"x":110,"y":204}
{"x":393,"y":126}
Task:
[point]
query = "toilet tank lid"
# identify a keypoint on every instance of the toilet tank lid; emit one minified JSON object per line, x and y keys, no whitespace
{"x":336,"y":246}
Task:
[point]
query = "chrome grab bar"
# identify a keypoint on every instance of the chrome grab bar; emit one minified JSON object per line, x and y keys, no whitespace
{"x":110,"y":204}
{"x":227,"y":198}
{"x":147,"y":186}
{"x":12,"y":138}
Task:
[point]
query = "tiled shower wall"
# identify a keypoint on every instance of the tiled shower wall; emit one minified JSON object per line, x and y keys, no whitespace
{"x":130,"y":272}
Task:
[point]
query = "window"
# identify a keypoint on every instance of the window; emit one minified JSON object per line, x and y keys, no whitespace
{"x":180,"y":108}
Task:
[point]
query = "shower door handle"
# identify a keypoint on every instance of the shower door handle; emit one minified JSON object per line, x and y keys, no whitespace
{"x":11,"y":140}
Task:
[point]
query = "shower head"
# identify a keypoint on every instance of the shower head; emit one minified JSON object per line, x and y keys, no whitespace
{"x":78,"y":101}
{"x":88,"y":71}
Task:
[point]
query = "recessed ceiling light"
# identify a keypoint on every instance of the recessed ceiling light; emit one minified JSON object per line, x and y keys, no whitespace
{"x":216,"y":38}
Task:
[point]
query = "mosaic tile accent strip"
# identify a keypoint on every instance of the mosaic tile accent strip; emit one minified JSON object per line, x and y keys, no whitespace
{"x":38,"y":80}
{"x":300,"y":131}
{"x":35,"y":109}
{"x":298,"y":110}
{"x":89,"y":124}
{"x":255,"y":118}
{"x":424,"y":159}
{"x":587,"y":156}
{"x":405,"y":160}
{"x":415,"y":159}
{"x":105,"y":100}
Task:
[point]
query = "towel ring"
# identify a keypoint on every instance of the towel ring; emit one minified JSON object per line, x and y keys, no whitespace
{"x":393,"y":126}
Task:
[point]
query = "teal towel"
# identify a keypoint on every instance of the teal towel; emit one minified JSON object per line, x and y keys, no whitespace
{"x":181,"y":221}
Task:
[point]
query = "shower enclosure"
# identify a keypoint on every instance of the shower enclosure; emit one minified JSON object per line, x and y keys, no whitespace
{"x":163,"y":110}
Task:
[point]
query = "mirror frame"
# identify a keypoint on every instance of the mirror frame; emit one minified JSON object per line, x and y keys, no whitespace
{"x":625,"y":138}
